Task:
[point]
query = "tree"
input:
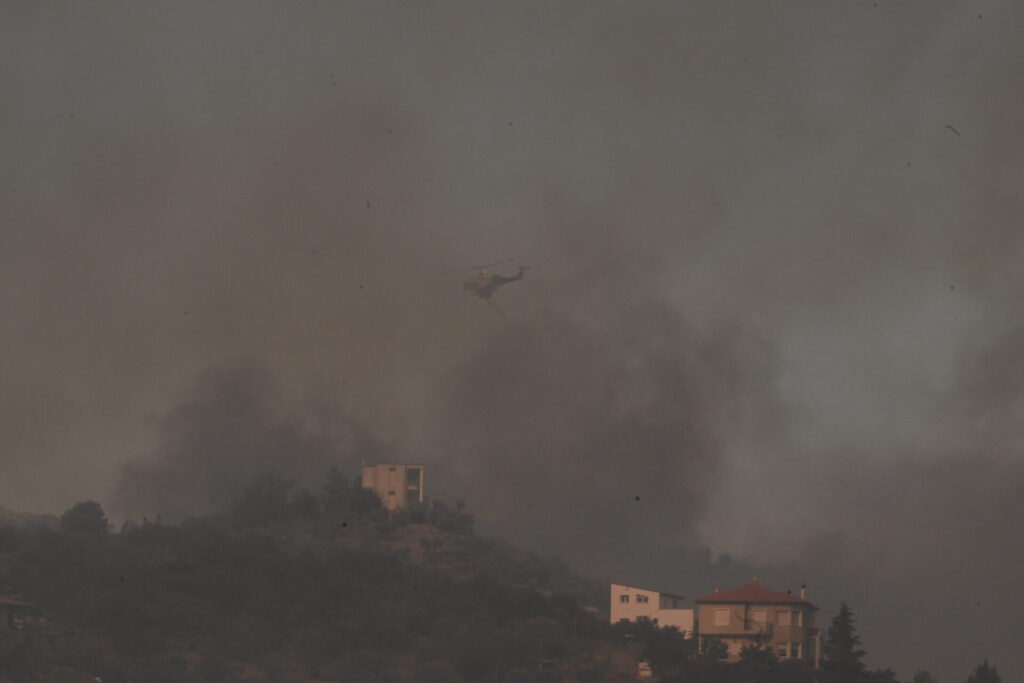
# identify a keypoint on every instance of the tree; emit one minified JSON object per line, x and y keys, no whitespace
{"x":923,"y":677}
{"x":337,"y":495}
{"x":450,"y":519}
{"x":841,"y":652}
{"x":757,"y":657}
{"x":264,"y":501}
{"x":984,"y":673}
{"x":757,"y":664}
{"x":85,"y":520}
{"x":666,"y":650}
{"x":345,"y":497}
{"x":712,"y":648}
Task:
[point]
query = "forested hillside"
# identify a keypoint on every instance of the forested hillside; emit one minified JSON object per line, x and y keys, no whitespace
{"x":294,"y":586}
{"x":291,"y":586}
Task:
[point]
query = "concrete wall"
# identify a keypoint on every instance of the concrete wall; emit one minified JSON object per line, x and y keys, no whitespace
{"x":664,"y":607}
{"x":397,"y":486}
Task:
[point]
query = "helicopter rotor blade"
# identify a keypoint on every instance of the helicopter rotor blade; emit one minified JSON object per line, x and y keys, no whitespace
{"x":496,"y":263}
{"x":455,"y":270}
{"x":480,"y":267}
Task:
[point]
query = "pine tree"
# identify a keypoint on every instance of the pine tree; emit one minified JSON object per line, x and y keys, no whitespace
{"x":86,"y":520}
{"x":841,"y":652}
{"x":984,"y":673}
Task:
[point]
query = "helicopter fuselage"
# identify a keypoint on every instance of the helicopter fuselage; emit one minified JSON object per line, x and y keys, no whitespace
{"x":484,"y":284}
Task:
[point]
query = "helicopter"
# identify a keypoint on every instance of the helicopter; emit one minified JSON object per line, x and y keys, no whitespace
{"x":483,"y":283}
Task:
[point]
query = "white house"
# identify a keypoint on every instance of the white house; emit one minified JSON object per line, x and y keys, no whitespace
{"x":629,"y":602}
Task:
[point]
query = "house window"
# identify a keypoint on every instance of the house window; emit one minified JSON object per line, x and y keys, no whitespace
{"x":782,"y":652}
{"x":391,"y":469}
{"x":784,"y":618}
{"x":623,"y":598}
{"x":794,"y":649}
{"x":391,"y":493}
{"x":721,"y":617}
{"x":799,"y":618}
{"x":641,"y":598}
{"x":759,"y":617}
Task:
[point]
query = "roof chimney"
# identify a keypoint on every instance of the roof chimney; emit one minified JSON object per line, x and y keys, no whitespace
{"x":716,"y":589}
{"x":803,"y":591}
{"x":755,"y":579}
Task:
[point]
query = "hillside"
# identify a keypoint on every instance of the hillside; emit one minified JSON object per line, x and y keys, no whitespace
{"x":296,"y":587}
{"x":22,"y":520}
{"x":302,"y":587}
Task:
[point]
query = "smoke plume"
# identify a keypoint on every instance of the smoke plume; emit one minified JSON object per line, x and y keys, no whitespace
{"x":772,"y":295}
{"x":232,"y":430}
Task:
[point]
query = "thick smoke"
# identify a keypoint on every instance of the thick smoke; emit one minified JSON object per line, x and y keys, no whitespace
{"x":770,"y":289}
{"x":233,"y":429}
{"x":929,"y":530}
{"x":570,"y":435}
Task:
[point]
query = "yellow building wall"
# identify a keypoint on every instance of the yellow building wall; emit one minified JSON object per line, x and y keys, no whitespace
{"x":391,"y":484}
{"x":743,"y":629}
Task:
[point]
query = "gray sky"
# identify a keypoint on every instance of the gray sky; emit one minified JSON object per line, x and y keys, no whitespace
{"x":774,"y":293}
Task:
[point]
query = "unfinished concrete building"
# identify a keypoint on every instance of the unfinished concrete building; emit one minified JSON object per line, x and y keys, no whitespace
{"x":397,"y":486}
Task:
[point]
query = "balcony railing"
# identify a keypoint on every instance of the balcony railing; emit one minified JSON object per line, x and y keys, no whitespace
{"x":750,"y":629}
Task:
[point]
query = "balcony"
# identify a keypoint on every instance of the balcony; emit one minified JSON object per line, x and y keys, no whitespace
{"x":750,"y":630}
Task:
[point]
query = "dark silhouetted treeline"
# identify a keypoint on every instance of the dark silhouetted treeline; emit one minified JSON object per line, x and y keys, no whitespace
{"x":294,"y":585}
{"x":288,"y":586}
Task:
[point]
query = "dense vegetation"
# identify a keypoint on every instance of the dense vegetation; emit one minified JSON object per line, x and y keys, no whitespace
{"x":299,"y":586}
{"x":290,"y":586}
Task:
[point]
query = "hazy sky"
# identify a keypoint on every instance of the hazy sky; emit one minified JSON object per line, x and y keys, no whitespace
{"x":774,"y":291}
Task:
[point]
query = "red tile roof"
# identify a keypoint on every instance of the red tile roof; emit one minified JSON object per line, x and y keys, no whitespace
{"x":753,"y":593}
